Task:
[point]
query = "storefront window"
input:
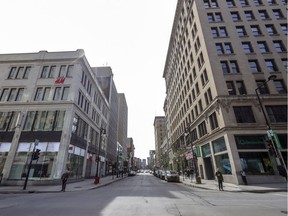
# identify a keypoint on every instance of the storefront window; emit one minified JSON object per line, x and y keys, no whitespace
{"x":4,"y":149}
{"x":75,"y":161}
{"x":223,"y":163}
{"x":255,"y":163}
{"x":219,"y":145}
{"x":250,"y":141}
{"x":42,"y":168}
{"x":206,"y":151}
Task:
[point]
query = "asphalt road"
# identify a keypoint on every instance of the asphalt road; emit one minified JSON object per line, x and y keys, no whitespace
{"x":142,"y":195}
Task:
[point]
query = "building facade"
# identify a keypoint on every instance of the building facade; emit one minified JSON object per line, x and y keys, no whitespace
{"x":221,"y":55}
{"x":50,"y":101}
{"x":105,"y":78}
{"x":159,"y":135}
{"x":122,"y":127}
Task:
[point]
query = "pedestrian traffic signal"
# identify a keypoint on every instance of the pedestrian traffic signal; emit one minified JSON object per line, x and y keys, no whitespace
{"x":36,"y":154}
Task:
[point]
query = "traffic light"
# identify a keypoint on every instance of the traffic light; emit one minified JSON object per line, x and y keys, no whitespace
{"x":36,"y":154}
{"x":270,"y":147}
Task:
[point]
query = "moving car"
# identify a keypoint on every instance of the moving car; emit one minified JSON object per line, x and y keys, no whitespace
{"x":171,"y":175}
{"x":132,"y":173}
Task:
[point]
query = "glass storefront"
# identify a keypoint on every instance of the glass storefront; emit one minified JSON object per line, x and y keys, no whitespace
{"x":4,"y":149}
{"x":222,"y":160}
{"x":75,"y":161}
{"x":255,"y":163}
{"x":41,"y":168}
{"x":223,"y":163}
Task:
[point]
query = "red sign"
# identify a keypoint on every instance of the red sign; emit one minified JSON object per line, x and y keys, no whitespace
{"x":60,"y":80}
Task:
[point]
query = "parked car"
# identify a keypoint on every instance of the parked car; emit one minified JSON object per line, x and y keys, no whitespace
{"x":171,"y":175}
{"x":162,"y":174}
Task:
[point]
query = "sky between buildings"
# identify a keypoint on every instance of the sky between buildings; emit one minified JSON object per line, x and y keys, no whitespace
{"x":130,"y":36}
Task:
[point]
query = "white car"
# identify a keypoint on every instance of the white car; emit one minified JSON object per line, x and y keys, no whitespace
{"x":171,"y":175}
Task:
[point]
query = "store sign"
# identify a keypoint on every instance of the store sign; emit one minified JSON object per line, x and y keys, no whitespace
{"x":60,"y":80}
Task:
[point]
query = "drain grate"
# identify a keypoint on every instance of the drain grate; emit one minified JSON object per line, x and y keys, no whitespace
{"x":284,"y":212}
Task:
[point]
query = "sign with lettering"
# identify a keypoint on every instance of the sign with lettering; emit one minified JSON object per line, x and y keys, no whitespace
{"x":60,"y":80}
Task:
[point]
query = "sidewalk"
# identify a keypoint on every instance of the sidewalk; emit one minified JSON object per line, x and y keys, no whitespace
{"x":256,"y":188}
{"x":88,"y":184}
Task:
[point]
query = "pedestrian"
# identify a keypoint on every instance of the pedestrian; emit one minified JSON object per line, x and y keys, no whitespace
{"x":243,"y":175}
{"x":220,"y":179}
{"x":64,"y":179}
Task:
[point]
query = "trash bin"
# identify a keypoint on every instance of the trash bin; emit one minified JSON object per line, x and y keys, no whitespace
{"x":198,"y":180}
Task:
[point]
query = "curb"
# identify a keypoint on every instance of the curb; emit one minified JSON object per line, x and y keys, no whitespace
{"x":58,"y":191}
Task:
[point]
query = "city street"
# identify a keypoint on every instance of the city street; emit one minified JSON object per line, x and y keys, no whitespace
{"x":145,"y":194}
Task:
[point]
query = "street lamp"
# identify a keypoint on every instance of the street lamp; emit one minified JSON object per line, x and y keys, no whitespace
{"x":97,"y":176}
{"x":278,"y":156}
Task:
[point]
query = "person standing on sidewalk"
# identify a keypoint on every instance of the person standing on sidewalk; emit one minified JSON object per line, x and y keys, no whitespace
{"x":220,"y":179}
{"x":64,"y":179}
{"x":243,"y":175}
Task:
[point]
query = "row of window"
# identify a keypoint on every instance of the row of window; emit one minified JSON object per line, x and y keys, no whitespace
{"x":238,"y":87}
{"x":232,"y":66}
{"x":34,"y":121}
{"x":11,"y":94}
{"x":243,"y":3}
{"x":41,"y":94}
{"x":222,"y":32}
{"x":226,"y":48}
{"x":20,"y":72}
{"x":249,"y":15}
{"x":83,"y":102}
{"x":57,"y":93}
{"x":53,"y":71}
{"x":243,"y":114}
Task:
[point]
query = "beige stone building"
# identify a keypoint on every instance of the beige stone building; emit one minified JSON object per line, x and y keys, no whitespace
{"x":159,"y":135}
{"x":220,"y":52}
{"x":53,"y":100}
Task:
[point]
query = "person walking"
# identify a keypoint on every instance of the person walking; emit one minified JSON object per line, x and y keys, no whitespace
{"x":243,"y":175}
{"x":64,"y":179}
{"x":220,"y":179}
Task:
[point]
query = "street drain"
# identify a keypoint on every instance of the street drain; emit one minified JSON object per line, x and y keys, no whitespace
{"x":78,"y":187}
{"x":284,"y":212}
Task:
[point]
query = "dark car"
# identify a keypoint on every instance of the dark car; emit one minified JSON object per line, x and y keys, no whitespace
{"x":171,"y":175}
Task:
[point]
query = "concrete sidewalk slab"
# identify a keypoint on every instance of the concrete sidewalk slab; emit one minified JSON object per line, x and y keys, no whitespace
{"x":87,"y":184}
{"x":256,"y":188}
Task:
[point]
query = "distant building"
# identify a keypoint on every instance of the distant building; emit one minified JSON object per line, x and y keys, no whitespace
{"x":130,"y":153}
{"x":123,"y":127}
{"x":54,"y":100}
{"x":159,"y":135}
{"x":105,"y":78}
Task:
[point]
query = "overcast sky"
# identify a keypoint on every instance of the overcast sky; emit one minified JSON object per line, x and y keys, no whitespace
{"x":130,"y":36}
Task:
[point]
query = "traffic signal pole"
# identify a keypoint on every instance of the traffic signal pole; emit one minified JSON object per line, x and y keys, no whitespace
{"x":29,"y":167}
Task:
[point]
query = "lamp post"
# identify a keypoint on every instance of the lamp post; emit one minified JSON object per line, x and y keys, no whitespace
{"x":278,"y":156}
{"x":97,"y":176}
